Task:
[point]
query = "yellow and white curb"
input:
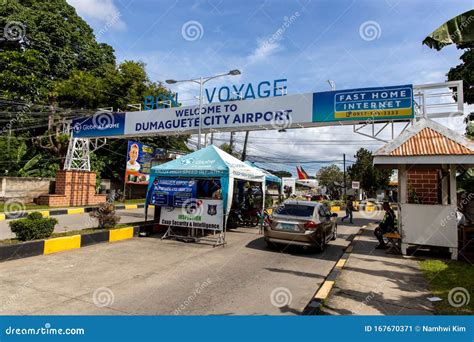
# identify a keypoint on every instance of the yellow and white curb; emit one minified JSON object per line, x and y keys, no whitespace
{"x":323,"y":292}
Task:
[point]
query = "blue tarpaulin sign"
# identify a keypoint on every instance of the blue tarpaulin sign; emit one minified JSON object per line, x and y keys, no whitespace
{"x":173,"y":192}
{"x":384,"y":103}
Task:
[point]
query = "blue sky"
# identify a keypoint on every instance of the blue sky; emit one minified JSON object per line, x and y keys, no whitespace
{"x":321,"y":40}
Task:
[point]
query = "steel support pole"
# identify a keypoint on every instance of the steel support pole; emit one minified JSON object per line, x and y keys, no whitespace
{"x":201,"y":84}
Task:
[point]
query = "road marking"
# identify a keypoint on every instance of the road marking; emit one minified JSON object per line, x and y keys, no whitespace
{"x":340,"y":263}
{"x":131,"y":206}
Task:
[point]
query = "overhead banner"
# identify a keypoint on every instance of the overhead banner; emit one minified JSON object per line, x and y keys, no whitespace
{"x":202,"y":213}
{"x":173,"y":192}
{"x":281,"y":112}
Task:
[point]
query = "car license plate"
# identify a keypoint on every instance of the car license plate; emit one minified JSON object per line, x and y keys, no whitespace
{"x":288,"y":226}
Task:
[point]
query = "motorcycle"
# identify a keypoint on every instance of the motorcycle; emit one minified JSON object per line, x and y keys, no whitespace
{"x":239,"y":217}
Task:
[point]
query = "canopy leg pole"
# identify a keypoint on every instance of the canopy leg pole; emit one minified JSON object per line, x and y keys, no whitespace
{"x":168,"y":233}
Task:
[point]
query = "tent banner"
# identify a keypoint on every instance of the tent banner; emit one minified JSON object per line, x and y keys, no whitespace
{"x":199,"y":213}
{"x":173,"y":192}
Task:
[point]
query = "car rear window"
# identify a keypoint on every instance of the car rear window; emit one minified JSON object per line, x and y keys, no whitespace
{"x":295,"y":210}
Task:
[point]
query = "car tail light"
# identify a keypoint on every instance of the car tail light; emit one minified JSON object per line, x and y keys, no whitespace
{"x":310,"y":225}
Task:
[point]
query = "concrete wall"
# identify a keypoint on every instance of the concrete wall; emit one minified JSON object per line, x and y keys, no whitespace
{"x":28,"y":189}
{"x":25,"y":188}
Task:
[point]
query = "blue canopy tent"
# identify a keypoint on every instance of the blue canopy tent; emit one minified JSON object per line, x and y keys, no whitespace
{"x":209,"y":162}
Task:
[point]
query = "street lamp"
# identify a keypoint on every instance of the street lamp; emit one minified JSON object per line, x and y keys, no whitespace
{"x":201,"y":81}
{"x":332,"y":84}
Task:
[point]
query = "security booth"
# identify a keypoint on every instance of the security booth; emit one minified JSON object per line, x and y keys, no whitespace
{"x":194,"y":193}
{"x":428,"y":157}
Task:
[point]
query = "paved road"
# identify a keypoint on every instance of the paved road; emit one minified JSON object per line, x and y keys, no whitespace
{"x":80,"y":221}
{"x":149,"y":276}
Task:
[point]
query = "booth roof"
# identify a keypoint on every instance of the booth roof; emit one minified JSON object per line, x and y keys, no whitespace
{"x":427,"y":137}
{"x":427,"y":142}
{"x":211,"y":161}
{"x":270,"y":177}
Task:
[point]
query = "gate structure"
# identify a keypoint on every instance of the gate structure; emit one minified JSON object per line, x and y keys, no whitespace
{"x":371,"y":111}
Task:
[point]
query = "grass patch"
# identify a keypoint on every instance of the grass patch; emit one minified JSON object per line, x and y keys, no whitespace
{"x":30,"y":206}
{"x":131,"y":201}
{"x":446,"y":275}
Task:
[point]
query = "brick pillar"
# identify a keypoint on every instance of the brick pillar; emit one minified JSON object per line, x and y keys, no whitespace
{"x":73,"y":188}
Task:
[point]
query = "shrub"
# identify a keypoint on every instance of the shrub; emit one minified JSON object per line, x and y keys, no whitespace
{"x":33,"y":227}
{"x":106,"y":215}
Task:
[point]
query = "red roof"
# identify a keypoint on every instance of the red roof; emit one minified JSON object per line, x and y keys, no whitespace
{"x":430,"y":142}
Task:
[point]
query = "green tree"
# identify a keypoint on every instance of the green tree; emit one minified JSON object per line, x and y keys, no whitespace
{"x":57,"y":64}
{"x":226,"y":148}
{"x":465,"y":72}
{"x":371,"y":179}
{"x":280,"y":173}
{"x":50,"y":41}
{"x":332,"y":178}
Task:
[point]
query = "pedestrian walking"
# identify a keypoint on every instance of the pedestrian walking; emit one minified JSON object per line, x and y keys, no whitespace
{"x":349,"y":209}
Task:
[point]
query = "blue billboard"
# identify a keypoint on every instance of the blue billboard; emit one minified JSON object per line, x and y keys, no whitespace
{"x":381,"y":103}
{"x":100,"y":124}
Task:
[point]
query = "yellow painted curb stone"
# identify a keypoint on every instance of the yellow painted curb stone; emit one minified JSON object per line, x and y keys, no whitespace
{"x":120,"y":234}
{"x":324,"y":290}
{"x":62,"y":244}
{"x":45,"y":213}
{"x":75,"y":211}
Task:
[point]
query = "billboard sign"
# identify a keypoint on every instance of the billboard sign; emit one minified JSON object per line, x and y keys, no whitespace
{"x":366,"y":103}
{"x":203,"y":214}
{"x":173,"y":192}
{"x":101,"y":124}
{"x":139,"y":160}
{"x":280,"y":112}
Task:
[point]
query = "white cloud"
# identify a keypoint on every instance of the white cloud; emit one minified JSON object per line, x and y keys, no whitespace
{"x":102,"y":12}
{"x":264,"y":50}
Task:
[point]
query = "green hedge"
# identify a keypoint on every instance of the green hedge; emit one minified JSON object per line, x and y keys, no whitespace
{"x":33,"y":227}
